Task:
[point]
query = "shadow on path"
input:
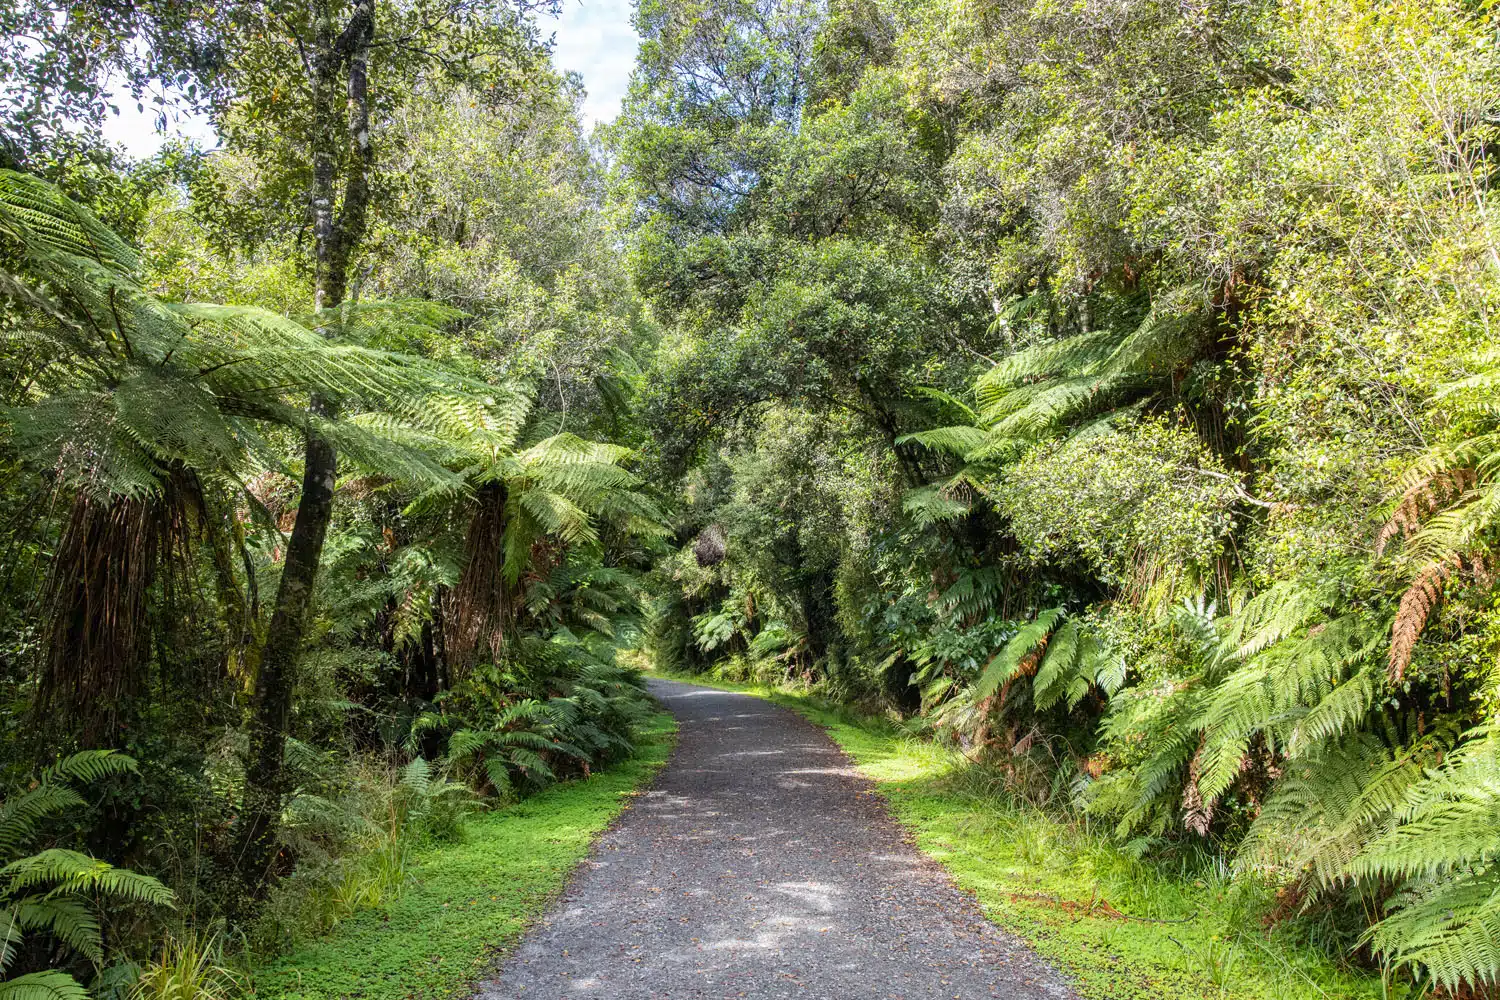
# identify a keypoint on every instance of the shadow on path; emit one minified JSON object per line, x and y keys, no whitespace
{"x":761,"y":865}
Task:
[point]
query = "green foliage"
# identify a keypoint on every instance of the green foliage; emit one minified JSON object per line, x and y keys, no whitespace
{"x":529,"y":742}
{"x":1120,"y":340}
{"x":189,"y":968}
{"x":1108,"y":388}
{"x":51,"y":891}
{"x":467,"y":898}
{"x":1148,"y":506}
{"x":1439,"y":853}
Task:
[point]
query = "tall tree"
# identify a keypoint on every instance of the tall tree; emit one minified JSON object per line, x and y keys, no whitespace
{"x":314,"y":132}
{"x":66,"y":67}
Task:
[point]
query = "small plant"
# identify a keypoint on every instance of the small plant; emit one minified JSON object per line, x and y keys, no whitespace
{"x":355,"y":846}
{"x":427,"y":806}
{"x":1217,"y":958}
{"x":190,"y":967}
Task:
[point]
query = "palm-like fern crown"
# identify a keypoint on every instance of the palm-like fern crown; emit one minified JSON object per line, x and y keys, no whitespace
{"x":134,"y":386}
{"x":1049,"y":388}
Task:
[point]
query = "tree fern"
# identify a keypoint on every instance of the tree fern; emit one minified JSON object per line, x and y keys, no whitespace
{"x":148,"y":413}
{"x":1020,"y":655}
{"x":1053,"y":387}
{"x":1327,"y":804}
{"x":1063,"y":657}
{"x":51,"y":985}
{"x":1277,"y":687}
{"x":1447,"y":512}
{"x":1447,"y":912}
{"x":560,"y":487}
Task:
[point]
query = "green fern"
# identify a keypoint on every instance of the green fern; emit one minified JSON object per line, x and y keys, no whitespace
{"x":1061,"y":385}
{"x":50,"y":985}
{"x":52,"y":891}
{"x":1063,"y":657}
{"x":1442,"y":852}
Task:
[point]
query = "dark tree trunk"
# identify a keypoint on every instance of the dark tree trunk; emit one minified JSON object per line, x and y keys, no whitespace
{"x":336,"y":235}
{"x":264,"y":775}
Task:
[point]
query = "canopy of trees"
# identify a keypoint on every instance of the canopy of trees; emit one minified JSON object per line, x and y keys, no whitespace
{"x":1106,"y":387}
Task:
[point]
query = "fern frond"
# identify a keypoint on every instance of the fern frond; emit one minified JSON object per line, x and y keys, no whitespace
{"x":89,"y":766}
{"x":38,"y":215}
{"x":69,"y":920}
{"x":958,"y":440}
{"x":50,"y":985}
{"x":71,"y":872}
{"x":1019,"y":656}
{"x":1417,"y":605}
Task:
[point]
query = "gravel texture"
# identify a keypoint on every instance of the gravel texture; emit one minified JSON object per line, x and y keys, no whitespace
{"x":760,"y":864}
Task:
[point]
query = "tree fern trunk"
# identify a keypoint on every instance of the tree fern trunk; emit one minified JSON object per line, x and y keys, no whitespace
{"x":336,"y":235}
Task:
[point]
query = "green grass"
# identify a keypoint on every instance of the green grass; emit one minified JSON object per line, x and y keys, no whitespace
{"x":1068,"y":891}
{"x":469,"y":901}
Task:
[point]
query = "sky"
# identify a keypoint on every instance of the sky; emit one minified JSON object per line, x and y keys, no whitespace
{"x":593,"y":38}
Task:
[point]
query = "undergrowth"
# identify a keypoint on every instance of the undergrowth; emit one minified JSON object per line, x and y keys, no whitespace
{"x":1120,"y":927}
{"x":467,"y":901}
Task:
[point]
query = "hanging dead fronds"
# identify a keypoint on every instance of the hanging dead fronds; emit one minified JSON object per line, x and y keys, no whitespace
{"x":711,"y":546}
{"x":479,"y":609}
{"x":1421,"y":501}
{"x":1420,"y":601}
{"x":1417,"y":606}
{"x":1197,"y":814}
{"x":97,"y":599}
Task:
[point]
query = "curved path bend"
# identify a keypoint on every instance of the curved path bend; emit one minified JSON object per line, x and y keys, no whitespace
{"x":760,"y":864}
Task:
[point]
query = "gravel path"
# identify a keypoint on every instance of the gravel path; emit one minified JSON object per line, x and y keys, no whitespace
{"x":760,"y":864}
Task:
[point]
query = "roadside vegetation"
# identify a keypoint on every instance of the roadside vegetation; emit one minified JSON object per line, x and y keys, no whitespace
{"x":322,"y":520}
{"x":466,"y":902}
{"x":1109,"y":387}
{"x":1104,"y":390}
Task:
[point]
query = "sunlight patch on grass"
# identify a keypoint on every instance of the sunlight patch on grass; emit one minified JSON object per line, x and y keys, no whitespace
{"x":468,"y":902}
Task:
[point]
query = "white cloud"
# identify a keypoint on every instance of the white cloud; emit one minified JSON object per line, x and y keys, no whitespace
{"x":595,"y":40}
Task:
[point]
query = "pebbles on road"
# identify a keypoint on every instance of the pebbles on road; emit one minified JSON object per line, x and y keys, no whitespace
{"x":760,"y":864}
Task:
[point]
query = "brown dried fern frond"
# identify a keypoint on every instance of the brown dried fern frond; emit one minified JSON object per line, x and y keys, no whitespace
{"x":1422,"y":598}
{"x":1416,"y":608}
{"x":1421,"y":500}
{"x":1197,"y":815}
{"x":711,"y":545}
{"x":97,"y":601}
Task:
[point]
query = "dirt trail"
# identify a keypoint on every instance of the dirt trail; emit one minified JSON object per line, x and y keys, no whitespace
{"x":761,"y":865}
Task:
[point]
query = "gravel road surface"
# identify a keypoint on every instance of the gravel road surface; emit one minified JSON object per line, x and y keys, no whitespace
{"x":760,"y":864}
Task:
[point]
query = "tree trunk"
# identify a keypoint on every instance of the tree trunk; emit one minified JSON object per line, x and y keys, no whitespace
{"x":479,"y":608}
{"x":336,"y":235}
{"x":264,"y":775}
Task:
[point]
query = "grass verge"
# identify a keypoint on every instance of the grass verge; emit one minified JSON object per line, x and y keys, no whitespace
{"x":470,"y":901}
{"x":1120,"y":927}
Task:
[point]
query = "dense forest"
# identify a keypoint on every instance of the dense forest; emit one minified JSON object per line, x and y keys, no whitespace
{"x":1101,"y":388}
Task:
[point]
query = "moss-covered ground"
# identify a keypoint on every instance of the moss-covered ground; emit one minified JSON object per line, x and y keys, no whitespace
{"x":468,"y":902}
{"x":1121,"y":927}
